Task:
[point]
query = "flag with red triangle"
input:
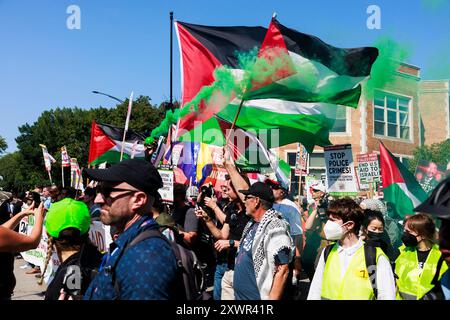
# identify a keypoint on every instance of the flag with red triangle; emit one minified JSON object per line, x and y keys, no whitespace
{"x":400,"y":188}
{"x":106,"y":144}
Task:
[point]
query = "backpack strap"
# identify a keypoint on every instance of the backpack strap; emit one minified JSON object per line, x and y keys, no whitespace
{"x":370,"y":254}
{"x":435,"y":280}
{"x":327,"y":250}
{"x":146,"y":234}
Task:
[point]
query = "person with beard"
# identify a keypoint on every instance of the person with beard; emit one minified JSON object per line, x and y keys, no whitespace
{"x":438,"y":205}
{"x":419,"y":266}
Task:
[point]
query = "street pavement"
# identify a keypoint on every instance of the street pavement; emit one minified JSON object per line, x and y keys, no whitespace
{"x":26,"y":284}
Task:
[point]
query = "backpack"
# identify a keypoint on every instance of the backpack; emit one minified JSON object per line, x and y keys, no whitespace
{"x":370,"y":254}
{"x":189,"y":269}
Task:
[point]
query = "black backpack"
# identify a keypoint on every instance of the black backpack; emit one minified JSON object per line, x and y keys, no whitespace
{"x":190,"y":270}
{"x":370,"y":253}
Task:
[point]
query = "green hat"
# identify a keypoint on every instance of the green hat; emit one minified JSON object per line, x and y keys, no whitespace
{"x":65,"y":214}
{"x":149,"y":140}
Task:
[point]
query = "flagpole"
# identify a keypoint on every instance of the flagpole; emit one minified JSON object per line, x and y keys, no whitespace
{"x":171,"y":81}
{"x":234,"y":120}
{"x":50,"y":177}
{"x":130,"y":103}
{"x":62,"y":174}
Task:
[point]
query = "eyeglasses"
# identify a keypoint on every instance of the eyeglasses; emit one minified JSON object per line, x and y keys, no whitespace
{"x":249,"y":197}
{"x":105,"y":191}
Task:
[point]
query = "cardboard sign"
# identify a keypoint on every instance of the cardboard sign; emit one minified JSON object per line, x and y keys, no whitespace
{"x":368,"y":167}
{"x":166,"y":191}
{"x":341,"y":178}
{"x":301,"y":161}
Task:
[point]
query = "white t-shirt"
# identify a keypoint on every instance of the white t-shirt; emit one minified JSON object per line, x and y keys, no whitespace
{"x":291,"y":214}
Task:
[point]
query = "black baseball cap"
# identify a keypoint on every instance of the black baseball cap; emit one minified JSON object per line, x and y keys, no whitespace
{"x":140,"y":174}
{"x":260,"y":190}
{"x":438,"y":204}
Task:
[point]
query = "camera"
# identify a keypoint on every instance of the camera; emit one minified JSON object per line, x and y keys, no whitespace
{"x":36,"y":197}
{"x":322,"y":208}
{"x":206,"y":191}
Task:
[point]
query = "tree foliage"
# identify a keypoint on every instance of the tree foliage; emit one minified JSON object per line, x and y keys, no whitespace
{"x":437,"y":152}
{"x":70,"y":127}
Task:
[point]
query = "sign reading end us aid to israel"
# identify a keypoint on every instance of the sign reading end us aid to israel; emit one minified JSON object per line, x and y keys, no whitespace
{"x":368,"y":167}
{"x":341,"y":178}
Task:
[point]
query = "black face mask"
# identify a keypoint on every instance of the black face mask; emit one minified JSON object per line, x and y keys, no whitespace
{"x":409,"y":240}
{"x":374,"y":236}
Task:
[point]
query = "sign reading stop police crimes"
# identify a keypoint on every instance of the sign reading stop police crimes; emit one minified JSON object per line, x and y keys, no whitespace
{"x":341,"y":179}
{"x":368,"y":167}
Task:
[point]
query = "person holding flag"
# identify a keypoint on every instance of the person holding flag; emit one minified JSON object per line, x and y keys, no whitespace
{"x":48,"y":160}
{"x":65,"y":162}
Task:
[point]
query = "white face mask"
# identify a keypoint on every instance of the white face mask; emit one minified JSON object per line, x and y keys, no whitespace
{"x":333,"y":230}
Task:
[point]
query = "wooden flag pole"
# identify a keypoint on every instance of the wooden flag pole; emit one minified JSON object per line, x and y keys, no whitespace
{"x":234,"y":121}
{"x":50,"y":177}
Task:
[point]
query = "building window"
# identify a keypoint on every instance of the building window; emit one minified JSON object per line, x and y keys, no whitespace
{"x":392,"y":116}
{"x":291,"y":157}
{"x":340,"y":125}
{"x":317,"y":161}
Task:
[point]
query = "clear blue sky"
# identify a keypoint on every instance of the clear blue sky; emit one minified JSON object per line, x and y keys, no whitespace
{"x":124,"y":45}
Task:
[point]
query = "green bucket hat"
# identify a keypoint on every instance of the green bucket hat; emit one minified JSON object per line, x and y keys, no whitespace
{"x":65,"y":214}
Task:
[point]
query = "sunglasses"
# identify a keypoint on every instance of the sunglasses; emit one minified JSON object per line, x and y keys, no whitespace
{"x":249,"y":197}
{"x":105,"y":191}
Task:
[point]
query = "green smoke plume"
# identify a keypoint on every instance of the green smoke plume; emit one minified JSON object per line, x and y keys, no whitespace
{"x":391,"y":54}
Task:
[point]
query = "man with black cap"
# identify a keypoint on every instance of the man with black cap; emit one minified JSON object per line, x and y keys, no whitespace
{"x":438,"y":204}
{"x":265,"y":249}
{"x":132,"y":270}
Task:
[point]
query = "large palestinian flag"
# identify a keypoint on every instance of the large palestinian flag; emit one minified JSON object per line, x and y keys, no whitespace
{"x":400,"y":187}
{"x":106,"y":144}
{"x":300,"y":101}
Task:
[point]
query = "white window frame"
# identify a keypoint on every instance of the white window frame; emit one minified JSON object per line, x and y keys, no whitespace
{"x":348,"y":121}
{"x":385,"y":109}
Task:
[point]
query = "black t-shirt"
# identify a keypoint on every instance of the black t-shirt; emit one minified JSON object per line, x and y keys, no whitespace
{"x":7,"y":278}
{"x":90,"y":259}
{"x":422,"y":257}
{"x":179,"y":215}
{"x":237,"y":220}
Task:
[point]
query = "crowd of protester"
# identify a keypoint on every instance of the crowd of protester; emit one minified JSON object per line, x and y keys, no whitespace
{"x":246,"y":242}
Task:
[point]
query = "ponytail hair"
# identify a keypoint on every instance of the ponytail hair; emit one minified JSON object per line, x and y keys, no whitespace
{"x":47,"y":259}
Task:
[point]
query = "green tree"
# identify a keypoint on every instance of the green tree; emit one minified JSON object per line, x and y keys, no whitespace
{"x":70,"y":127}
{"x":437,"y":152}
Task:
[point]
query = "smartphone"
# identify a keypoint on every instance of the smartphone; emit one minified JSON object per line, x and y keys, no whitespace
{"x":36,"y":198}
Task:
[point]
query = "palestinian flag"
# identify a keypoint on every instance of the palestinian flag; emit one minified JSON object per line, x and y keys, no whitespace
{"x":400,"y":187}
{"x":106,"y":144}
{"x":299,"y":99}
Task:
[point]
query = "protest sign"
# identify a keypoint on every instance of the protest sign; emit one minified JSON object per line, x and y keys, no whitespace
{"x":341,"y":179}
{"x":166,"y":191}
{"x":429,"y":174}
{"x":100,"y":235}
{"x":368,"y":167}
{"x":301,"y":161}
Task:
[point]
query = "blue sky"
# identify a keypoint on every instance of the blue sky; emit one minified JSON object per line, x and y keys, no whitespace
{"x":124,"y":45}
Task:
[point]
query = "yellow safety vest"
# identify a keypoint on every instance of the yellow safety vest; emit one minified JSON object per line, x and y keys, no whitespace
{"x":413,"y":283}
{"x":355,"y":285}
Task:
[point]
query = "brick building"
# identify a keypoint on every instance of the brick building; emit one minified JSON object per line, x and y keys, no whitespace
{"x":406,"y":113}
